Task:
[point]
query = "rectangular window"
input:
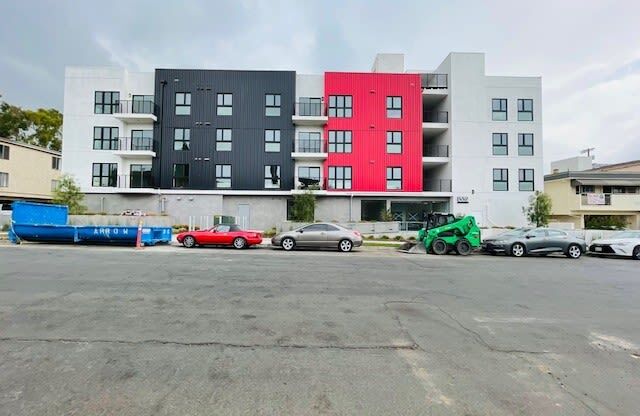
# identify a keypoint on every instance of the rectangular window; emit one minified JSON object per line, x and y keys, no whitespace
{"x":499,"y":109}
{"x":309,"y":142}
{"x":4,"y":180}
{"x":394,"y":142}
{"x":223,"y":140}
{"x":500,"y":180}
{"x":140,"y":176}
{"x":525,"y":179}
{"x":272,"y":176}
{"x":309,"y":172}
{"x":183,"y":103}
{"x":223,"y":176}
{"x":340,"y":106}
{"x":272,"y":105}
{"x":105,"y":138}
{"x":340,"y":141}
{"x":394,"y":107}
{"x":224,"y":104}
{"x":525,"y":144}
{"x":142,"y":140}
{"x":272,"y":140}
{"x":339,"y":177}
{"x":500,"y":144}
{"x":54,"y":184}
{"x":4,"y":152}
{"x":394,"y":178}
{"x":105,"y":175}
{"x":310,"y":106}
{"x":525,"y":110}
{"x":106,"y":102}
{"x":55,"y":162}
{"x":181,"y":139}
{"x":180,"y":175}
{"x":142,"y":104}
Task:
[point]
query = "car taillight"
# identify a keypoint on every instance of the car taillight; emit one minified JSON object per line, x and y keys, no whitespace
{"x":357,"y":233}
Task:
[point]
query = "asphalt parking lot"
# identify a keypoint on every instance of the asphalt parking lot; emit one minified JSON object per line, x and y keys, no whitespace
{"x":171,"y":331}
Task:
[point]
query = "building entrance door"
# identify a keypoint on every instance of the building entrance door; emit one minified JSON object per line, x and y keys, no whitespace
{"x":244,"y":216}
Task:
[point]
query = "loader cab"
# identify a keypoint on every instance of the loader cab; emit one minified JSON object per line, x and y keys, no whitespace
{"x":437,"y":219}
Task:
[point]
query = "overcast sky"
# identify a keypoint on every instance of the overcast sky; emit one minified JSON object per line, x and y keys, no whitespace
{"x":587,"y":52}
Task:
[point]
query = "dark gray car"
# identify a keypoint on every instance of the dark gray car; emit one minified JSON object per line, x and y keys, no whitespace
{"x":541,"y":241}
{"x":324,"y":235}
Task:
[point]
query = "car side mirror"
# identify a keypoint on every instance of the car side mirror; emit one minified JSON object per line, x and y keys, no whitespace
{"x":528,"y":236}
{"x":300,"y":231}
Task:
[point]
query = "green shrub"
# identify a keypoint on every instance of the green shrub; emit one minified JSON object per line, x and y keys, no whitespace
{"x":412,"y":238}
{"x":384,"y":237}
{"x":5,"y":227}
{"x":270,"y":232}
{"x":604,"y":222}
{"x":398,"y":238}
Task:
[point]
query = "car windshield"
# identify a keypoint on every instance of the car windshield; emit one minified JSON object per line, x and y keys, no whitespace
{"x":514,"y":233}
{"x":627,"y":234}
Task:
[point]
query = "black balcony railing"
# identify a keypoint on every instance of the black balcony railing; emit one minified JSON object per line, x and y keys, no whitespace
{"x":136,"y":143}
{"x":313,"y":145}
{"x":435,"y":117}
{"x":310,"y":109}
{"x":437,"y":185}
{"x":136,"y":107}
{"x":434,"y":81}
{"x":137,"y":180}
{"x":435,"y":150}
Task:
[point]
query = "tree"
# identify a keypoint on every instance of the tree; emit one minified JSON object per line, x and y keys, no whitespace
{"x":13,"y":121}
{"x":68,"y":193}
{"x":45,"y":128}
{"x":304,"y":206}
{"x":539,"y":209}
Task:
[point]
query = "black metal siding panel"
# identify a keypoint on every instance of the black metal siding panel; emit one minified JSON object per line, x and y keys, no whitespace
{"x":248,"y":123}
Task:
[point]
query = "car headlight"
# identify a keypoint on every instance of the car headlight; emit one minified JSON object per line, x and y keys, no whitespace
{"x":500,"y":242}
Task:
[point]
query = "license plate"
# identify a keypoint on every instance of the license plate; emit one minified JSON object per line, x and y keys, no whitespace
{"x":598,"y":248}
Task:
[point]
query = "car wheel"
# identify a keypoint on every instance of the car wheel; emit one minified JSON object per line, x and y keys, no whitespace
{"x":239,"y":243}
{"x":189,"y":242}
{"x":463,"y":247}
{"x":288,"y":244}
{"x":345,"y":245}
{"x":636,"y":253}
{"x":518,"y":250}
{"x":574,"y":251}
{"x":439,"y":246}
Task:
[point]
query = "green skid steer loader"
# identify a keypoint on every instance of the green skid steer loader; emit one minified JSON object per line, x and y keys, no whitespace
{"x":459,"y":234}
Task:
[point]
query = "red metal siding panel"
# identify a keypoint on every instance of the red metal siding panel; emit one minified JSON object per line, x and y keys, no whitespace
{"x":369,"y":125}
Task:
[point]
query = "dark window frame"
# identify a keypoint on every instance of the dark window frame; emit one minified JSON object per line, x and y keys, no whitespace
{"x":392,"y":101}
{"x":523,"y":113}
{"x":142,"y":139}
{"x":392,"y":177}
{"x":270,"y":176}
{"x":185,"y":142}
{"x":335,"y":182}
{"x":184,"y":103}
{"x":272,"y":137}
{"x":340,"y":139}
{"x":309,"y":169}
{"x":275,"y":103}
{"x":55,"y":162}
{"x":6,"y":181}
{"x":112,"y":104}
{"x":522,"y":179}
{"x":108,"y":171}
{"x":500,"y":145}
{"x":145,"y":181}
{"x":222,"y":104}
{"x":221,"y":174}
{"x":184,"y":179}
{"x":500,"y":110}
{"x":309,"y":142}
{"x":112,"y":141}
{"x":523,"y":147}
{"x":222,"y":139}
{"x":503,"y":179}
{"x":4,"y":151}
{"x":392,"y":140}
{"x":338,"y":106}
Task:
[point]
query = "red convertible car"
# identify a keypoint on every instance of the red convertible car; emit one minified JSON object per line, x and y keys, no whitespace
{"x":220,"y":235}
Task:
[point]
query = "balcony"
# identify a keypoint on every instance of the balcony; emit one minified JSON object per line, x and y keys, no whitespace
{"x":135,"y":147}
{"x":309,"y":149}
{"x":435,"y":122}
{"x":435,"y":154}
{"x":609,"y":202}
{"x":310,"y":114}
{"x":437,"y":185}
{"x":434,"y":81}
{"x":136,"y":111}
{"x":142,"y":182}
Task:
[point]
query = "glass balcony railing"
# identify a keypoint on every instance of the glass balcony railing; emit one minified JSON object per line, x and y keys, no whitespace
{"x":435,"y":81}
{"x":136,"y":144}
{"x":312,"y":145}
{"x":136,"y":107}
{"x":437,"y":185}
{"x":435,"y":117}
{"x":310,"y":109}
{"x":435,"y":150}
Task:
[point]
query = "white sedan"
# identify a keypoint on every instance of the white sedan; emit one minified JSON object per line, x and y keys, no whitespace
{"x":624,"y":243}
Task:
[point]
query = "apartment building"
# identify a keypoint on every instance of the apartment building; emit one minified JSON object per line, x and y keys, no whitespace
{"x":581,"y":192}
{"x":27,"y":172}
{"x":242,"y":143}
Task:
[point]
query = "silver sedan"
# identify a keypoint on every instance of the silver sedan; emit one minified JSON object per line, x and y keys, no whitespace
{"x":321,"y":235}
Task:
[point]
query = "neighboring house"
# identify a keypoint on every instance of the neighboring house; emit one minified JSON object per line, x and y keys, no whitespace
{"x":607,"y":190}
{"x":197,"y":142}
{"x":27,"y":172}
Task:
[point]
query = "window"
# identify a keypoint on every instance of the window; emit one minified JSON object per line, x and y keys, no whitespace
{"x":272,"y":140}
{"x":500,"y":144}
{"x":4,"y":180}
{"x":310,"y":106}
{"x":272,"y":176}
{"x":339,"y":141}
{"x":223,"y":176}
{"x":142,"y":140}
{"x":181,"y":139}
{"x":525,"y":144}
{"x":394,"y":107}
{"x":55,"y":162}
{"x":309,"y":142}
{"x":105,"y":174}
{"x":223,"y":140}
{"x":140,"y":176}
{"x":556,"y":233}
{"x":309,"y":172}
{"x":272,"y":105}
{"x":340,"y":177}
{"x":142,"y":104}
{"x":394,"y":178}
{"x":4,"y":152}
{"x":183,"y":103}
{"x":394,"y":142}
{"x":106,"y":102}
{"x":105,"y":138}
{"x":525,"y":110}
{"x":499,"y":109}
{"x":525,"y":179}
{"x":225,"y":104}
{"x":54,"y":184}
{"x":180,"y":175}
{"x":340,"y":106}
{"x":500,"y":180}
